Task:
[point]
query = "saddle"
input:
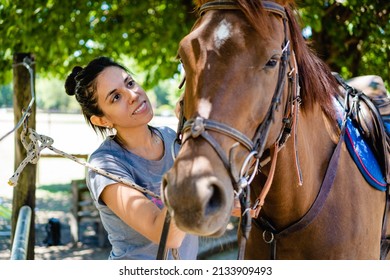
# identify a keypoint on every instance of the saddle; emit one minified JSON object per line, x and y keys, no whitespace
{"x":368,"y":106}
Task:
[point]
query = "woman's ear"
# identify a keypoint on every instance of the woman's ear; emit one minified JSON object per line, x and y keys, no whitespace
{"x":100,"y":121}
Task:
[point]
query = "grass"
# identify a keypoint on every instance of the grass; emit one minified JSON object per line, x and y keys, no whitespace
{"x":5,"y":213}
{"x":51,"y":197}
{"x":54,"y":197}
{"x":55,"y":188}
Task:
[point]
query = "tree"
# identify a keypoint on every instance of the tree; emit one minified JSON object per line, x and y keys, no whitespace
{"x":51,"y":96}
{"x":62,"y":34}
{"x":352,"y":36}
{"x":6,"y":96}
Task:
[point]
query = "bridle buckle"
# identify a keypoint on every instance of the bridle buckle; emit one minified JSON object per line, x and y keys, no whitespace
{"x":197,"y":128}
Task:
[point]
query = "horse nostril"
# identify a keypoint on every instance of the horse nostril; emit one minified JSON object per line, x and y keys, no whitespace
{"x":164,"y":192}
{"x":215,"y":200}
{"x":164,"y":183}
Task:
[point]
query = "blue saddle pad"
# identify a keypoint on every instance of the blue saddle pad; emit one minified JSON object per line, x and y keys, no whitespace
{"x":387,"y":125}
{"x":361,"y":152}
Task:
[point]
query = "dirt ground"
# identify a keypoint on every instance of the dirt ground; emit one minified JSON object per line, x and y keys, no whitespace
{"x":58,"y":204}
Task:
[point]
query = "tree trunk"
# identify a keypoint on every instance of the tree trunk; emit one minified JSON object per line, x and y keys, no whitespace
{"x":24,"y":192}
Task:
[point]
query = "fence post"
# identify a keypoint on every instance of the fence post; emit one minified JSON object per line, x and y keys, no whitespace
{"x":24,"y":193}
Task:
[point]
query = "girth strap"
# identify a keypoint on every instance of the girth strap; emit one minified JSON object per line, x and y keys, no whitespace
{"x":316,"y":207}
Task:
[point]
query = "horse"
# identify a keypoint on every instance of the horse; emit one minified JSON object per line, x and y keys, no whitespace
{"x":259,"y":124}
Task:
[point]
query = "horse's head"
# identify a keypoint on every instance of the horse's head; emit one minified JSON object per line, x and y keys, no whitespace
{"x":238,"y":60}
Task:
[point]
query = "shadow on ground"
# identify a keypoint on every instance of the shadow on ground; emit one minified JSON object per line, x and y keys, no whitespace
{"x":55,"y":201}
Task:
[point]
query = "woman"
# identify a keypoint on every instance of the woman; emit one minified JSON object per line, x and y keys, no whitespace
{"x":112,"y":101}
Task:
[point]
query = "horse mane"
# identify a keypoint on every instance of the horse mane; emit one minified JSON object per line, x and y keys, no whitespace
{"x":315,"y":77}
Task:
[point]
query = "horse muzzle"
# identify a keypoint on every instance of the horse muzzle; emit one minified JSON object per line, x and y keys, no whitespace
{"x":199,"y":202}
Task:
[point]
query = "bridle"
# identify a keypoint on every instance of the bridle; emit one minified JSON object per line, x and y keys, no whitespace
{"x":199,"y":127}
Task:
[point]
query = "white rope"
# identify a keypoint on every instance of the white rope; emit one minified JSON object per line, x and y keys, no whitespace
{"x":34,"y":149}
{"x":26,"y":113}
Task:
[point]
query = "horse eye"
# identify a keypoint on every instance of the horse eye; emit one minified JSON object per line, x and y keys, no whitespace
{"x":271,"y":63}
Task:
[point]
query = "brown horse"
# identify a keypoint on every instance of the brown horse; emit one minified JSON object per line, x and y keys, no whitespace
{"x":251,"y":79}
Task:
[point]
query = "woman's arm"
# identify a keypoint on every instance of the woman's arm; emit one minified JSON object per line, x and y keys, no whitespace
{"x":140,"y":213}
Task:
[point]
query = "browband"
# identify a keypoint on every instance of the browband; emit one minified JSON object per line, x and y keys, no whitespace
{"x":232,"y":5}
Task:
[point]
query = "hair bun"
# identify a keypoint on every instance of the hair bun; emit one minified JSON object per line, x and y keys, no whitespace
{"x":70,"y":83}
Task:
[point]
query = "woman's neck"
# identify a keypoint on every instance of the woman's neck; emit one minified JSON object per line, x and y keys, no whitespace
{"x":142,"y":141}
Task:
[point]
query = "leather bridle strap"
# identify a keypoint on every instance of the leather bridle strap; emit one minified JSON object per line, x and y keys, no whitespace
{"x":263,"y":130}
{"x":162,"y":252}
{"x":217,"y":5}
{"x":254,"y":211}
{"x":232,"y":5}
{"x":199,"y":125}
{"x":267,"y":186}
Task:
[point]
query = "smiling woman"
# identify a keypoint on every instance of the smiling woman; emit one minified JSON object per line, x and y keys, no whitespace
{"x":118,"y":107}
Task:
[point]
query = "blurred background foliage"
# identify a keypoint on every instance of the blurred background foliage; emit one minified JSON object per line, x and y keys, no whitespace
{"x":352,"y":36}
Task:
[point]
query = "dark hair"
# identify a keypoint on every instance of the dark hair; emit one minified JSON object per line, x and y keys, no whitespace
{"x":82,"y":83}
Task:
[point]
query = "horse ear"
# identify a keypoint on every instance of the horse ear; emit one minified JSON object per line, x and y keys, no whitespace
{"x":100,"y":121}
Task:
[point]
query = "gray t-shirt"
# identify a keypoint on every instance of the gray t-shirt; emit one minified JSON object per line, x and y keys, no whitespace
{"x":111,"y":157}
